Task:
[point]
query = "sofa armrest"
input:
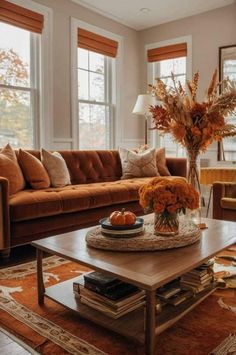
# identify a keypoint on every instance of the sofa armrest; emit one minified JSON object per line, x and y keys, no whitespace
{"x":177,"y":166}
{"x":4,"y":214}
{"x":221,"y":190}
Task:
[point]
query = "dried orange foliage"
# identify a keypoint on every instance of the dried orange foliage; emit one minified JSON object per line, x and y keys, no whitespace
{"x":13,"y":71}
{"x":164,"y":195}
{"x":193,"y":124}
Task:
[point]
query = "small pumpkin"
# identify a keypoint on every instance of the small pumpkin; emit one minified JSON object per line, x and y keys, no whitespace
{"x":122,"y":218}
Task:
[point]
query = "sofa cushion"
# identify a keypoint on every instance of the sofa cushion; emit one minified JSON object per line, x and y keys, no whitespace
{"x":56,"y":168}
{"x":10,"y":169}
{"x":33,"y":170}
{"x":90,"y":166}
{"x":31,"y":204}
{"x":135,"y":165}
{"x":228,"y":203}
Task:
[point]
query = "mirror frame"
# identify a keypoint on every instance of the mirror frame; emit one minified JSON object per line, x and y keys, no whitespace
{"x":220,"y":148}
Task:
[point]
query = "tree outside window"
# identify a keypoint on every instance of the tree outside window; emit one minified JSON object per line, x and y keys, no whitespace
{"x":94,"y":94}
{"x":17,"y":92}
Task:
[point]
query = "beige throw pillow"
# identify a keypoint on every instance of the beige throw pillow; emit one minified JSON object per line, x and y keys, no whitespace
{"x":10,"y":169}
{"x":56,"y":168}
{"x":138,"y":165}
{"x":160,"y":159}
{"x":161,"y":162}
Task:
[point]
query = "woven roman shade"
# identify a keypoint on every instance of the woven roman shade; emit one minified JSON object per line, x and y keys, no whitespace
{"x":19,"y":16}
{"x":96,"y":43}
{"x":167,"y":52}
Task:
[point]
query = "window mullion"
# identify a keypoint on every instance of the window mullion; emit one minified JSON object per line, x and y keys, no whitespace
{"x":34,"y":84}
{"x":89,"y":91}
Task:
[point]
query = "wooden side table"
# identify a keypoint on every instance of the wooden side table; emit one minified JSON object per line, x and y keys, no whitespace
{"x":212,"y":174}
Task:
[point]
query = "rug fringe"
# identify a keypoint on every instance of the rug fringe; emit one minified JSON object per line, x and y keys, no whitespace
{"x":228,"y":346}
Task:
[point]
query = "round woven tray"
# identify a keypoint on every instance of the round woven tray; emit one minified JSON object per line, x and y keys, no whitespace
{"x":188,"y":234}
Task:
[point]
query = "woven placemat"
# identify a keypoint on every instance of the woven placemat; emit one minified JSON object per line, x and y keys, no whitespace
{"x":188,"y":234}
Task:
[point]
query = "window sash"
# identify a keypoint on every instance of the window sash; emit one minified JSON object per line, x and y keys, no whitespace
{"x":160,"y":138}
{"x":107,"y":99}
{"x":108,"y":120}
{"x":34,"y":87}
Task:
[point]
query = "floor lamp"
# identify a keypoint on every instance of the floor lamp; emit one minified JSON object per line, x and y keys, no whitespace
{"x":141,"y":107}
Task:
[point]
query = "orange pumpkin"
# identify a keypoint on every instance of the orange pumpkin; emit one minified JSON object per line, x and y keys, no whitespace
{"x":122,"y":218}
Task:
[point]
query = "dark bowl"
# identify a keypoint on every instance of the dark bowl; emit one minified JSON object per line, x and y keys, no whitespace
{"x":105,"y":223}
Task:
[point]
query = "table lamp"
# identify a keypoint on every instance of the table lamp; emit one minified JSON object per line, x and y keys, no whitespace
{"x":142,"y":108}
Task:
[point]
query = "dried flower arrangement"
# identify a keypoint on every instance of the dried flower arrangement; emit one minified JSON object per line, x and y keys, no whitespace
{"x":168,"y":195}
{"x":192,"y":124}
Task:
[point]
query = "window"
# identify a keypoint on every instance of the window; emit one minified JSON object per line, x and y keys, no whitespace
{"x":95,"y":100}
{"x":229,"y":144}
{"x":163,"y":70}
{"x":18,"y":86}
{"x":95,"y":68}
{"x":164,"y":58}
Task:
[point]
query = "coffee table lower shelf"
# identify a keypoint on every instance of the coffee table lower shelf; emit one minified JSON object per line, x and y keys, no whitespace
{"x":130,"y":325}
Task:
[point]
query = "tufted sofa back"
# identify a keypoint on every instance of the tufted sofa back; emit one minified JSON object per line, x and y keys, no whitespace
{"x":87,"y":166}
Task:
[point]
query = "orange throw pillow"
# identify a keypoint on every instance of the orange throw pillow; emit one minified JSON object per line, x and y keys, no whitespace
{"x":33,"y":170}
{"x":10,"y":169}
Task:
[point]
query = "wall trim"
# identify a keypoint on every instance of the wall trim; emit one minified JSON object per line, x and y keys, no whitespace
{"x":118,"y":129}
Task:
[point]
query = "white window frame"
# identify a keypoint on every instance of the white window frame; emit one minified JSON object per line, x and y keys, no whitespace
{"x":108,"y":102}
{"x":43,"y":98}
{"x":155,"y":137}
{"x":33,"y":87}
{"x":116,"y":129}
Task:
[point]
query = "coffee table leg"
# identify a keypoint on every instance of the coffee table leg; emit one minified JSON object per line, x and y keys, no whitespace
{"x":150,"y":322}
{"x":41,"y":288}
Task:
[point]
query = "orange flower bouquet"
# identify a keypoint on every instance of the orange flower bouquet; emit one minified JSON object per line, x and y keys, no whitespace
{"x":167,"y":198}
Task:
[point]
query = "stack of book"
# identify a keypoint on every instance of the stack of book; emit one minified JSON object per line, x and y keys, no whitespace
{"x":108,"y":294}
{"x":198,"y":279}
{"x":172,"y":293}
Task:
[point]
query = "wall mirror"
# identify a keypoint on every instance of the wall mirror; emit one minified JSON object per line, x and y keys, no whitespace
{"x":227,"y":68}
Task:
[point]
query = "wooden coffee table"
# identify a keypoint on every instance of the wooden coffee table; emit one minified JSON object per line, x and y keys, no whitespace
{"x":147,"y":270}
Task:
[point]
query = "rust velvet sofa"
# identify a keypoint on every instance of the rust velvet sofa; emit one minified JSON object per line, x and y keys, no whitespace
{"x":96,"y":190}
{"x":224,"y":201}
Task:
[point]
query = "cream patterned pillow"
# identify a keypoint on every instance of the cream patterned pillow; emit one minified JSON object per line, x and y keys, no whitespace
{"x":160,"y":159}
{"x":138,"y":165}
{"x":56,"y":167}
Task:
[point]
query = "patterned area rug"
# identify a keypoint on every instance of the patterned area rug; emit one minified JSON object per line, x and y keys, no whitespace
{"x":52,"y":329}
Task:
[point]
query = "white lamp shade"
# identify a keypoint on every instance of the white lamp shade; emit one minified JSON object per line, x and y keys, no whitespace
{"x":143,"y":103}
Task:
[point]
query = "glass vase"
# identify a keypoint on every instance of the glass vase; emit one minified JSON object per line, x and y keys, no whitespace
{"x":166,"y":223}
{"x":193,"y":177}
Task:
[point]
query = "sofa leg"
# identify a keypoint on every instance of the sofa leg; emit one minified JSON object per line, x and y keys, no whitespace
{"x":5,"y":254}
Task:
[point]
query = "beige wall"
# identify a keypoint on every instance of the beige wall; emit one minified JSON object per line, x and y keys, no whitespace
{"x":130,"y":78}
{"x":209,"y":31}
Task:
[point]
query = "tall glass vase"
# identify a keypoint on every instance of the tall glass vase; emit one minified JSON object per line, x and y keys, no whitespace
{"x":193,"y":177}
